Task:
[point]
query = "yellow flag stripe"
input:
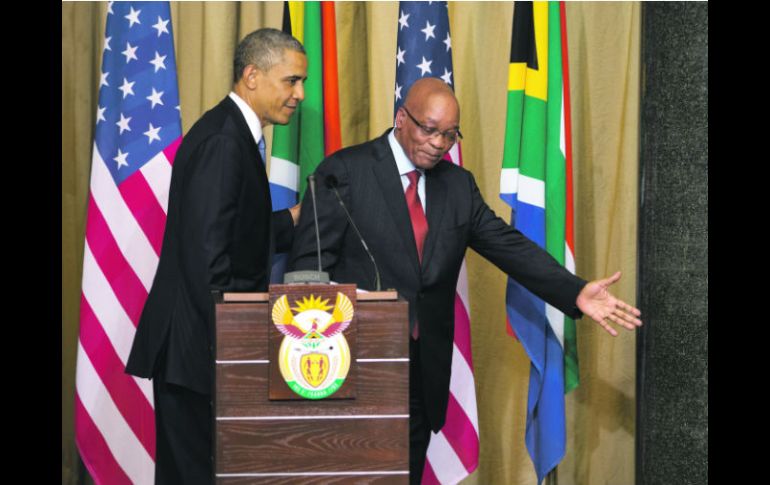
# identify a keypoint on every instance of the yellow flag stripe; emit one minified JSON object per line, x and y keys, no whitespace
{"x":520,"y":77}
{"x":297,"y":15}
{"x":517,"y":76}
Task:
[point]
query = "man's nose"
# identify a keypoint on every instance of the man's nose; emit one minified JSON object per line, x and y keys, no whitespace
{"x":439,"y":142}
{"x":299,"y":91}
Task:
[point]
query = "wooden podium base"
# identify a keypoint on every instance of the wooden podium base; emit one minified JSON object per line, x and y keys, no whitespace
{"x":360,"y":440}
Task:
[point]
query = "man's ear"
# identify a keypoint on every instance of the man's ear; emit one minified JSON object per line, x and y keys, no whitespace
{"x":400,"y":115}
{"x":251,"y":76}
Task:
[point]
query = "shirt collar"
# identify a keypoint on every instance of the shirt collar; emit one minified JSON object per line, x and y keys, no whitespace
{"x":252,"y":120}
{"x":402,"y":161}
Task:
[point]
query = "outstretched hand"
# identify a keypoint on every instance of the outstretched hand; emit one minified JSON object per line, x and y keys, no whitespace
{"x":595,"y":301}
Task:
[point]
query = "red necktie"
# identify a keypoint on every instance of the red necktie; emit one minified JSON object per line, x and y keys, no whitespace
{"x":419,"y":222}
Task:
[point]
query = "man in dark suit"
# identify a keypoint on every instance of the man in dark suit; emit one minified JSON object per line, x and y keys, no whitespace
{"x":221,"y":235}
{"x":419,"y":214}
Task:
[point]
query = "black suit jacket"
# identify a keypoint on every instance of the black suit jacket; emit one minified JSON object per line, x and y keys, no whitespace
{"x":220,"y":235}
{"x":458,"y":218}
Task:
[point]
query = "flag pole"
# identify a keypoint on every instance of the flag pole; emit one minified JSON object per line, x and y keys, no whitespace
{"x":553,"y":477}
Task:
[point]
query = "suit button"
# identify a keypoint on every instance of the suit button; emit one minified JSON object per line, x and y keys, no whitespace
{"x":420,"y":295}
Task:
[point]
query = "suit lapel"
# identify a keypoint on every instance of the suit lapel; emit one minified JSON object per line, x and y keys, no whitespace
{"x":243,"y":131}
{"x":436,"y":193}
{"x":386,"y":174}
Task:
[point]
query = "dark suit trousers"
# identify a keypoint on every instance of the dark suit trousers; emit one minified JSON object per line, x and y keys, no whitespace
{"x":419,"y":426}
{"x":183,"y":435}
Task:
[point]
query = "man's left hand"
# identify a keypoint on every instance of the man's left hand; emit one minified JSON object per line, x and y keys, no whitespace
{"x":602,"y":306}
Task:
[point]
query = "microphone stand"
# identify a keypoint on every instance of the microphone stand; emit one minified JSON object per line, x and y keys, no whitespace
{"x":331,"y":183}
{"x":319,"y":276}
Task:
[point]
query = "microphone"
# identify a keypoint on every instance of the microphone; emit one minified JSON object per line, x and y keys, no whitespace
{"x":331,"y":183}
{"x":310,"y":276}
{"x":311,"y":182}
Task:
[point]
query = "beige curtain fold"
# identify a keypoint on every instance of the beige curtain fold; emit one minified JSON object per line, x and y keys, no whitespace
{"x":604,"y":48}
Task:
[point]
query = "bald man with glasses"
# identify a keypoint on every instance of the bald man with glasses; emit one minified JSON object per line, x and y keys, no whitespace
{"x":419,"y":214}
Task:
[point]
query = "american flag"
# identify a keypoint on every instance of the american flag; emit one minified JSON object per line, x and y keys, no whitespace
{"x":424,"y":48}
{"x":138,"y":130}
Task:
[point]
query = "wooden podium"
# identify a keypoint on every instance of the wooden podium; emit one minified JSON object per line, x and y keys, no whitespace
{"x":360,"y":440}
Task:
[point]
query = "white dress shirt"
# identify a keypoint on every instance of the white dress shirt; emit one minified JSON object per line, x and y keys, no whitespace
{"x":251,"y":117}
{"x":405,"y":166}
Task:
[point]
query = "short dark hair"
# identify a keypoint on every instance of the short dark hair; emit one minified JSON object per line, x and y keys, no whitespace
{"x":263,"y":48}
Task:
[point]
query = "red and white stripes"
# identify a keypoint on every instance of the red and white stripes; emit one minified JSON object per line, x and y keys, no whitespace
{"x":453,"y":452}
{"x":114,"y":418}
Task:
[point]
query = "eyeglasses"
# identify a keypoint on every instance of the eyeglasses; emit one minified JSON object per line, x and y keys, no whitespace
{"x":450,"y":135}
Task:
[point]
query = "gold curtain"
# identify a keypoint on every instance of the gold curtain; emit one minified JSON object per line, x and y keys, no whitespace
{"x":604,"y":52}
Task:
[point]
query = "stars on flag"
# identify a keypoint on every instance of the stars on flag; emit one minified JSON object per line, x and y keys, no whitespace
{"x":400,"y":57}
{"x":158,"y":62}
{"x":138,"y":107}
{"x":130,"y":52}
{"x":100,"y":114}
{"x":133,"y":17}
{"x":123,"y":123}
{"x":160,"y":26}
{"x":121,"y":159}
{"x":402,"y":21}
{"x":420,"y":50}
{"x":424,"y":66}
{"x":447,"y":76}
{"x":428,"y":31}
{"x":155,"y":98}
{"x":127,"y":88}
{"x":152,"y":133}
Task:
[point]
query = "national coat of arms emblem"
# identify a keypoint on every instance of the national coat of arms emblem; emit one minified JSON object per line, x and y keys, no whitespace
{"x":314,"y":357}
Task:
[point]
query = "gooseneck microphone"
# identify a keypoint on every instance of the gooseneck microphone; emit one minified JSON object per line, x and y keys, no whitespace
{"x":331,"y":183}
{"x":310,"y":276}
{"x":311,"y":182}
